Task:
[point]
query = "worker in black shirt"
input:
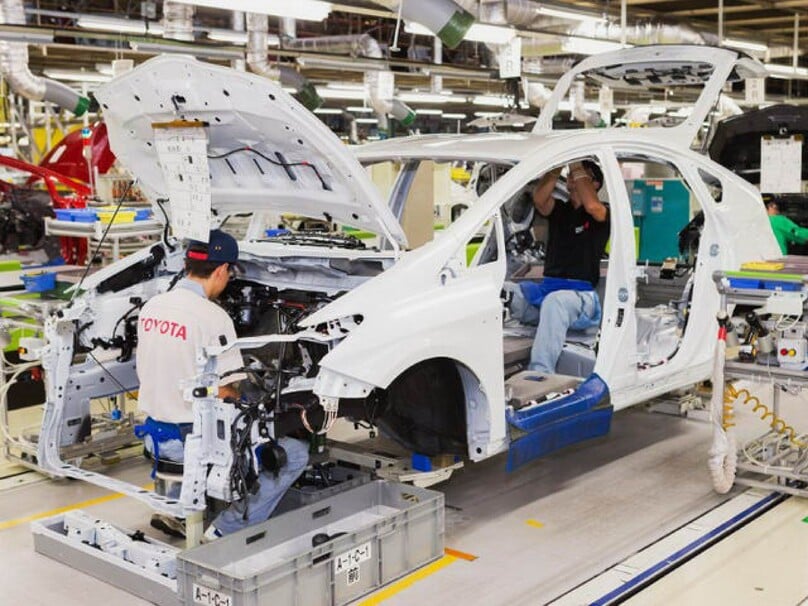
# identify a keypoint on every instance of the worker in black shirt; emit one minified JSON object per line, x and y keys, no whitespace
{"x":577,"y":234}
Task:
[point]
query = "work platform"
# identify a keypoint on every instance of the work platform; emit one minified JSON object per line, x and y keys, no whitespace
{"x":521,"y":538}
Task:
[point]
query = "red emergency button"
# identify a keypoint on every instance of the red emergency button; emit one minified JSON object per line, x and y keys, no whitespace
{"x":784,"y":352}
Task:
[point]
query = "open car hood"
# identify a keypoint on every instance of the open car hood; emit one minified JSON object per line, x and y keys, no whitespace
{"x":266,"y":151}
{"x":736,"y":141}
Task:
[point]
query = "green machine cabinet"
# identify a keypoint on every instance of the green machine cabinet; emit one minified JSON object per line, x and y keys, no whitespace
{"x":661,"y":208}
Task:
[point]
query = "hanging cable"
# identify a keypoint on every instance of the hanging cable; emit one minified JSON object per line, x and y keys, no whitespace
{"x":277,"y":162}
{"x":122,"y":197}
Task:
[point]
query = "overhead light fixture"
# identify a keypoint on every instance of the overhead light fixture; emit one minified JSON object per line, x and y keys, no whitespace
{"x":239,"y":38}
{"x":450,"y":116}
{"x":590,"y":46}
{"x":428,"y":112}
{"x":590,"y":106}
{"x":562,"y":13}
{"x":490,"y":100}
{"x":200,"y":50}
{"x":115,"y":24}
{"x":776,"y":69}
{"x":338,"y":93}
{"x":487,"y":114}
{"x":360,"y":110}
{"x":27,"y":35}
{"x":328,"y":110}
{"x":743,"y":45}
{"x":306,"y":10}
{"x":479,"y":32}
{"x":76,"y":75}
{"x":438,"y":98}
{"x":492,"y":34}
{"x":367,"y":120}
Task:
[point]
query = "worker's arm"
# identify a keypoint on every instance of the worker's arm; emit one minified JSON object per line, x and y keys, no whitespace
{"x":797,"y":234}
{"x":543,"y":198}
{"x":580,"y":180}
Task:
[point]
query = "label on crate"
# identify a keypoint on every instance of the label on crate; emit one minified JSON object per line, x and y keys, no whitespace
{"x":349,"y":562}
{"x":211,"y":597}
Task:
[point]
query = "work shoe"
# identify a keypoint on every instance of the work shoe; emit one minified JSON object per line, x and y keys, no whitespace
{"x":210,"y":535}
{"x":170,"y":525}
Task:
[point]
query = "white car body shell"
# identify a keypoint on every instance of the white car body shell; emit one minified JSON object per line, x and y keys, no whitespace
{"x":429,"y":304}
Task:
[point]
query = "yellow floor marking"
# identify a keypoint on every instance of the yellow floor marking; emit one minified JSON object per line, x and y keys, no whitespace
{"x":535,"y":524}
{"x":460,"y":554}
{"x":5,"y":525}
{"x":391,"y":590}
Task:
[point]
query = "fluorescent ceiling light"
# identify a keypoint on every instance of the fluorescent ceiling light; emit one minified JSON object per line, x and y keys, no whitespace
{"x":786,"y":70}
{"x":490,"y":100}
{"x":76,"y":75}
{"x":493,"y":34}
{"x":306,"y":10}
{"x":591,"y":106}
{"x":367,"y":120}
{"x":479,"y":32}
{"x":743,"y":45}
{"x":27,"y":35}
{"x":114,"y":24}
{"x":428,"y":112}
{"x":345,"y":86}
{"x":416,"y":97}
{"x":327,"y":110}
{"x":589,"y":46}
{"x":239,"y":38}
{"x":337,"y":93}
{"x":561,"y":13}
{"x":360,"y":110}
{"x":487,"y":114}
{"x":185,"y":48}
{"x":450,"y":116}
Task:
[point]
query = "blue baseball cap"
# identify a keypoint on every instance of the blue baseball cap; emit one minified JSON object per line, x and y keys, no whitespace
{"x":220,"y":248}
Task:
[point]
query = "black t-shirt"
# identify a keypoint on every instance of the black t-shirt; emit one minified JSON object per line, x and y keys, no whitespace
{"x":575,"y":243}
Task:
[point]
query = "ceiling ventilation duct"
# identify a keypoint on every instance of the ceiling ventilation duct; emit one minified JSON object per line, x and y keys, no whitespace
{"x":366,"y":46}
{"x":446,"y":19}
{"x":257,"y":27}
{"x":14,"y":67}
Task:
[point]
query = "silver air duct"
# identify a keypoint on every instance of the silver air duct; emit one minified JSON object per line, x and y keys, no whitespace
{"x":366,"y":46}
{"x":446,"y":19}
{"x":257,"y":28}
{"x":178,"y":21}
{"x":14,"y":67}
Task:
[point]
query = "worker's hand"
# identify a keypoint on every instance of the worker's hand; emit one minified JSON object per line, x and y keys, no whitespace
{"x":577,"y":171}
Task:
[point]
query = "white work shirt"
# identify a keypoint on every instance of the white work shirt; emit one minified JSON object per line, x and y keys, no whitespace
{"x":172,"y":327}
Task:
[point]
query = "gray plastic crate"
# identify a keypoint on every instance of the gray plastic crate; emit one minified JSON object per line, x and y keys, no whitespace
{"x":342,"y":478}
{"x":390,"y":530}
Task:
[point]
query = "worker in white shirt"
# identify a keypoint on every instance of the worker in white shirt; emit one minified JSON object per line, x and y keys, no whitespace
{"x":172,"y":327}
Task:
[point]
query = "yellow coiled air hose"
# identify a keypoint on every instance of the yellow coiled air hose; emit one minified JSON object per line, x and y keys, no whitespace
{"x":732,"y":395}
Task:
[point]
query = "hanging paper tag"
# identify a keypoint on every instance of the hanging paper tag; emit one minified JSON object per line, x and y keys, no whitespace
{"x":510,"y":59}
{"x":183,"y":151}
{"x":755,"y":93}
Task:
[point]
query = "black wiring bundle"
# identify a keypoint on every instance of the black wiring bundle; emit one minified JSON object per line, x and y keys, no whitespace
{"x":279,"y":160}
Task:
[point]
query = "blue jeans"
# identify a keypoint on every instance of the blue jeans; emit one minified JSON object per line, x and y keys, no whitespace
{"x":560,"y":311}
{"x":270,"y":491}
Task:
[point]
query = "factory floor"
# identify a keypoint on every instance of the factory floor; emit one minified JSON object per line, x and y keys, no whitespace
{"x":519,"y":538}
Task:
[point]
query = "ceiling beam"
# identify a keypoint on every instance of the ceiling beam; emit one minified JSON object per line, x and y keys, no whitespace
{"x":759,"y":20}
{"x":713,"y":10}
